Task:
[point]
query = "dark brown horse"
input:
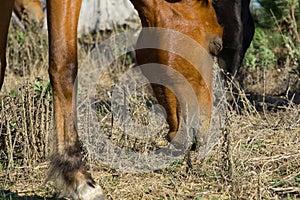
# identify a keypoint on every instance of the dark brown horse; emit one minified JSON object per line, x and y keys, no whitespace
{"x":194,"y":18}
{"x":238,"y":25}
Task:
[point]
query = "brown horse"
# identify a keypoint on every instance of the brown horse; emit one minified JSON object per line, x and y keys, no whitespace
{"x":194,"y":18}
{"x":197,"y":20}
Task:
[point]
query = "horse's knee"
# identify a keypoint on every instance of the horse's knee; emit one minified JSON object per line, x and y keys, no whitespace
{"x":63,"y":78}
{"x":63,"y":68}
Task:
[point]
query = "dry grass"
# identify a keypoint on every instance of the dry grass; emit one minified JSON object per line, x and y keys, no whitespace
{"x":257,"y":155}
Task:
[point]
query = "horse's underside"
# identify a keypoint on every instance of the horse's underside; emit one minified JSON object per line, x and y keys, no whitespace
{"x":194,"y":18}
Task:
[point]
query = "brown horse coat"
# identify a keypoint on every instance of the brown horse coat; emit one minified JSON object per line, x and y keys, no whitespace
{"x":193,"y":18}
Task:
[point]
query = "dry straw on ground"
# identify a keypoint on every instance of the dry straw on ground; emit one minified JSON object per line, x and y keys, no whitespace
{"x":257,"y":155}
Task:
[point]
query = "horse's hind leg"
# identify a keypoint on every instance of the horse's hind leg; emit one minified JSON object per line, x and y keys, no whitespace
{"x":5,"y":15}
{"x":67,"y":169}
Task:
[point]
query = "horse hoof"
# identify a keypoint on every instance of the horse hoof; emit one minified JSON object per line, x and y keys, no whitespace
{"x":87,"y":190}
{"x":90,"y":191}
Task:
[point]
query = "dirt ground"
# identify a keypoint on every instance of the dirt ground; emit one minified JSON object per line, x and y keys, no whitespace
{"x":255,"y":156}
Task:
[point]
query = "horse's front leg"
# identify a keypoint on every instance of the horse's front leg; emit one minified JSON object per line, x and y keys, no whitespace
{"x":67,"y":169}
{"x":5,"y":15}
